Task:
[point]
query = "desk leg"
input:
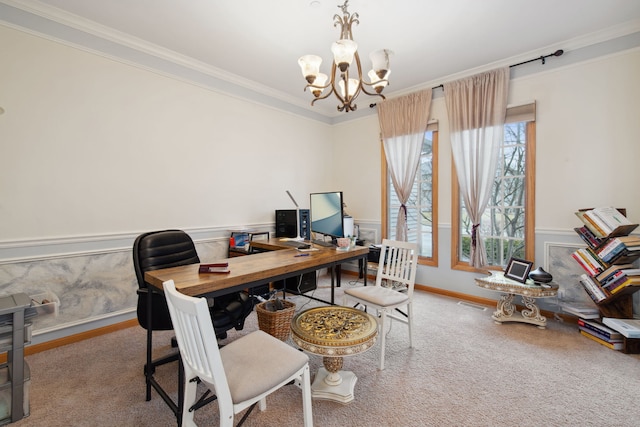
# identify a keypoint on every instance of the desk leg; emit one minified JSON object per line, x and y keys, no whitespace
{"x":331,"y":270}
{"x":148,"y":367}
{"x":364,"y":263}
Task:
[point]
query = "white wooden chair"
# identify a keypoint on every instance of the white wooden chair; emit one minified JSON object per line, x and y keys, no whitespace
{"x":393,"y":289}
{"x":241,"y":373}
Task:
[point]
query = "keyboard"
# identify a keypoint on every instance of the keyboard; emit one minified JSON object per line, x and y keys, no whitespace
{"x":297,"y":245}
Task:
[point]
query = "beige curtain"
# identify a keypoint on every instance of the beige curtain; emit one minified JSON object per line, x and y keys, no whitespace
{"x":476,"y":108}
{"x":403,"y":122}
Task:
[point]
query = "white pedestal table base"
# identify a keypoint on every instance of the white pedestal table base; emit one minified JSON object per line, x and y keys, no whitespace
{"x":342,"y":392}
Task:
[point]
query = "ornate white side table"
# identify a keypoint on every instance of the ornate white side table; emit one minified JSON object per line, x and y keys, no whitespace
{"x":334,"y":332}
{"x":529,"y":291}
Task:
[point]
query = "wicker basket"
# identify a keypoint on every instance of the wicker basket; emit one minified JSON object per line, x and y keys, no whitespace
{"x":276,"y":323}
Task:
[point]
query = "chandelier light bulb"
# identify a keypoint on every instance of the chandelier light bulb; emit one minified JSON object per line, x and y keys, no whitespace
{"x":352,"y":87}
{"x":377,"y":83}
{"x":318,"y":86}
{"x":343,"y":51}
{"x":310,"y":65}
{"x":380,"y":62}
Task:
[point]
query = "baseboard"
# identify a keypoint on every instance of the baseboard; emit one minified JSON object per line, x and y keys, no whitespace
{"x":59,"y":342}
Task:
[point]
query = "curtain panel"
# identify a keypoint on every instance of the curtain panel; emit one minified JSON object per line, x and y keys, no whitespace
{"x":476,"y":108}
{"x":403,"y":123}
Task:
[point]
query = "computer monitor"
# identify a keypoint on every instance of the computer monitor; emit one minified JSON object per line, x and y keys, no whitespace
{"x":326,"y":213}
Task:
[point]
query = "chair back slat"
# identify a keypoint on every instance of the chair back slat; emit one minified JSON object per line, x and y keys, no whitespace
{"x":197,"y":340}
{"x":398,"y":263}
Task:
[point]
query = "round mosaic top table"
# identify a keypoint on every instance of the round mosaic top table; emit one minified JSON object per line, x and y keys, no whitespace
{"x":334,"y":332}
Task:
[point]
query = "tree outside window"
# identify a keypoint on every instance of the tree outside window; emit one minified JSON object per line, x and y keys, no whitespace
{"x":508,"y":219}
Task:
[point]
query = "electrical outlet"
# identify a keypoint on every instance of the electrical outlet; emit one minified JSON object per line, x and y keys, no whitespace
{"x":560,"y":294}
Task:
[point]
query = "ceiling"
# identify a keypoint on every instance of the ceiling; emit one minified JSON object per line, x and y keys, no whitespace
{"x":252,"y":46}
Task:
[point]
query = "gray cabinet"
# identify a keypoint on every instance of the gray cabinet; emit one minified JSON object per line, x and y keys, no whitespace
{"x":14,"y":374}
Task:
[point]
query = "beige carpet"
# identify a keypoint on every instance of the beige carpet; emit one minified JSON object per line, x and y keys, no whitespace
{"x":465,"y":370}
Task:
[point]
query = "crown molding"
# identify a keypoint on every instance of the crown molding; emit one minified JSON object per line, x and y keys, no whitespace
{"x":51,"y":23}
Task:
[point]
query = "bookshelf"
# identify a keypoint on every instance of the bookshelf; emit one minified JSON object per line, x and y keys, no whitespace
{"x":609,"y":260}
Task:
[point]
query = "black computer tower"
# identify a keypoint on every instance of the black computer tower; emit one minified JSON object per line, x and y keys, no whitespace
{"x":298,"y":284}
{"x":286,"y":223}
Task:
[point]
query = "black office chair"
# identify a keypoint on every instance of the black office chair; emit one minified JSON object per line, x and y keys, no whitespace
{"x":171,"y":248}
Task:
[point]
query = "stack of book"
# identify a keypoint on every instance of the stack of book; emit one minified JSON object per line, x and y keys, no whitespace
{"x":589,"y":261}
{"x":593,"y":288}
{"x":606,"y":222}
{"x":620,"y":278}
{"x":601,"y":334}
{"x":581,"y":310}
{"x":220,"y":267}
{"x":588,"y":236}
{"x":619,"y":250}
{"x":630,"y":328}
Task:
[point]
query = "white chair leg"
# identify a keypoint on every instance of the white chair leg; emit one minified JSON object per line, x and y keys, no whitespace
{"x":306,"y":398}
{"x":262,"y":404}
{"x":190,"y":389}
{"x":382,"y":334}
{"x":410,"y":322}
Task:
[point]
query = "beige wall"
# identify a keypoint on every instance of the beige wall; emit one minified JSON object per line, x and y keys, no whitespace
{"x":93,"y":147}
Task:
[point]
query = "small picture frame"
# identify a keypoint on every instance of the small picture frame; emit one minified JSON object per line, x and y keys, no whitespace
{"x":518,"y":269}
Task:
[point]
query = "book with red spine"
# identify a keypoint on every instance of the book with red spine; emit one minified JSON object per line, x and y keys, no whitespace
{"x":220,"y":267}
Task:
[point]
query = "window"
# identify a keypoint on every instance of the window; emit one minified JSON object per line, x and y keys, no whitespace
{"x":507,"y":225}
{"x":422,"y":205}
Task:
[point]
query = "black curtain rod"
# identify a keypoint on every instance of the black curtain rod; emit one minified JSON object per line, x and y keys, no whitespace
{"x":542,"y":58}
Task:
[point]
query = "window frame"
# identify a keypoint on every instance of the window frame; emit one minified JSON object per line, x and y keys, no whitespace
{"x":529,"y":233}
{"x":423,"y":260}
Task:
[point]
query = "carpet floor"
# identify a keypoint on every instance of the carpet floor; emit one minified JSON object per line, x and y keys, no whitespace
{"x":464,"y":370}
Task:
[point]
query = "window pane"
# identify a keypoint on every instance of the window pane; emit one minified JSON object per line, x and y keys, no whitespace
{"x":503,"y":223}
{"x":420,"y":204}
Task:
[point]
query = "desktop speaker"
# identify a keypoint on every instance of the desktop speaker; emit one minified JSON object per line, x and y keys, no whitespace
{"x":286,"y":223}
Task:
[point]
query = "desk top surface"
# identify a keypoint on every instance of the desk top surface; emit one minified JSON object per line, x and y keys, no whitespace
{"x":244,"y":270}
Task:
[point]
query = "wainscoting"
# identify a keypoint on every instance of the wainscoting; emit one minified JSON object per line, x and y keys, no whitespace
{"x":96,"y":287}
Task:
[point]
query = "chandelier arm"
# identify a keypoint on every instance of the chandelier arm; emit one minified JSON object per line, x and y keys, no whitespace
{"x":312,"y":86}
{"x":360,"y":81}
{"x":334,"y":89}
{"x":323,"y":96}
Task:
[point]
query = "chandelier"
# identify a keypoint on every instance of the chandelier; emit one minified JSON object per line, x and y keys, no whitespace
{"x":345,"y":87}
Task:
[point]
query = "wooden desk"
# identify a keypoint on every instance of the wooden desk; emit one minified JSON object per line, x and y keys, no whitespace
{"x":254,"y":270}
